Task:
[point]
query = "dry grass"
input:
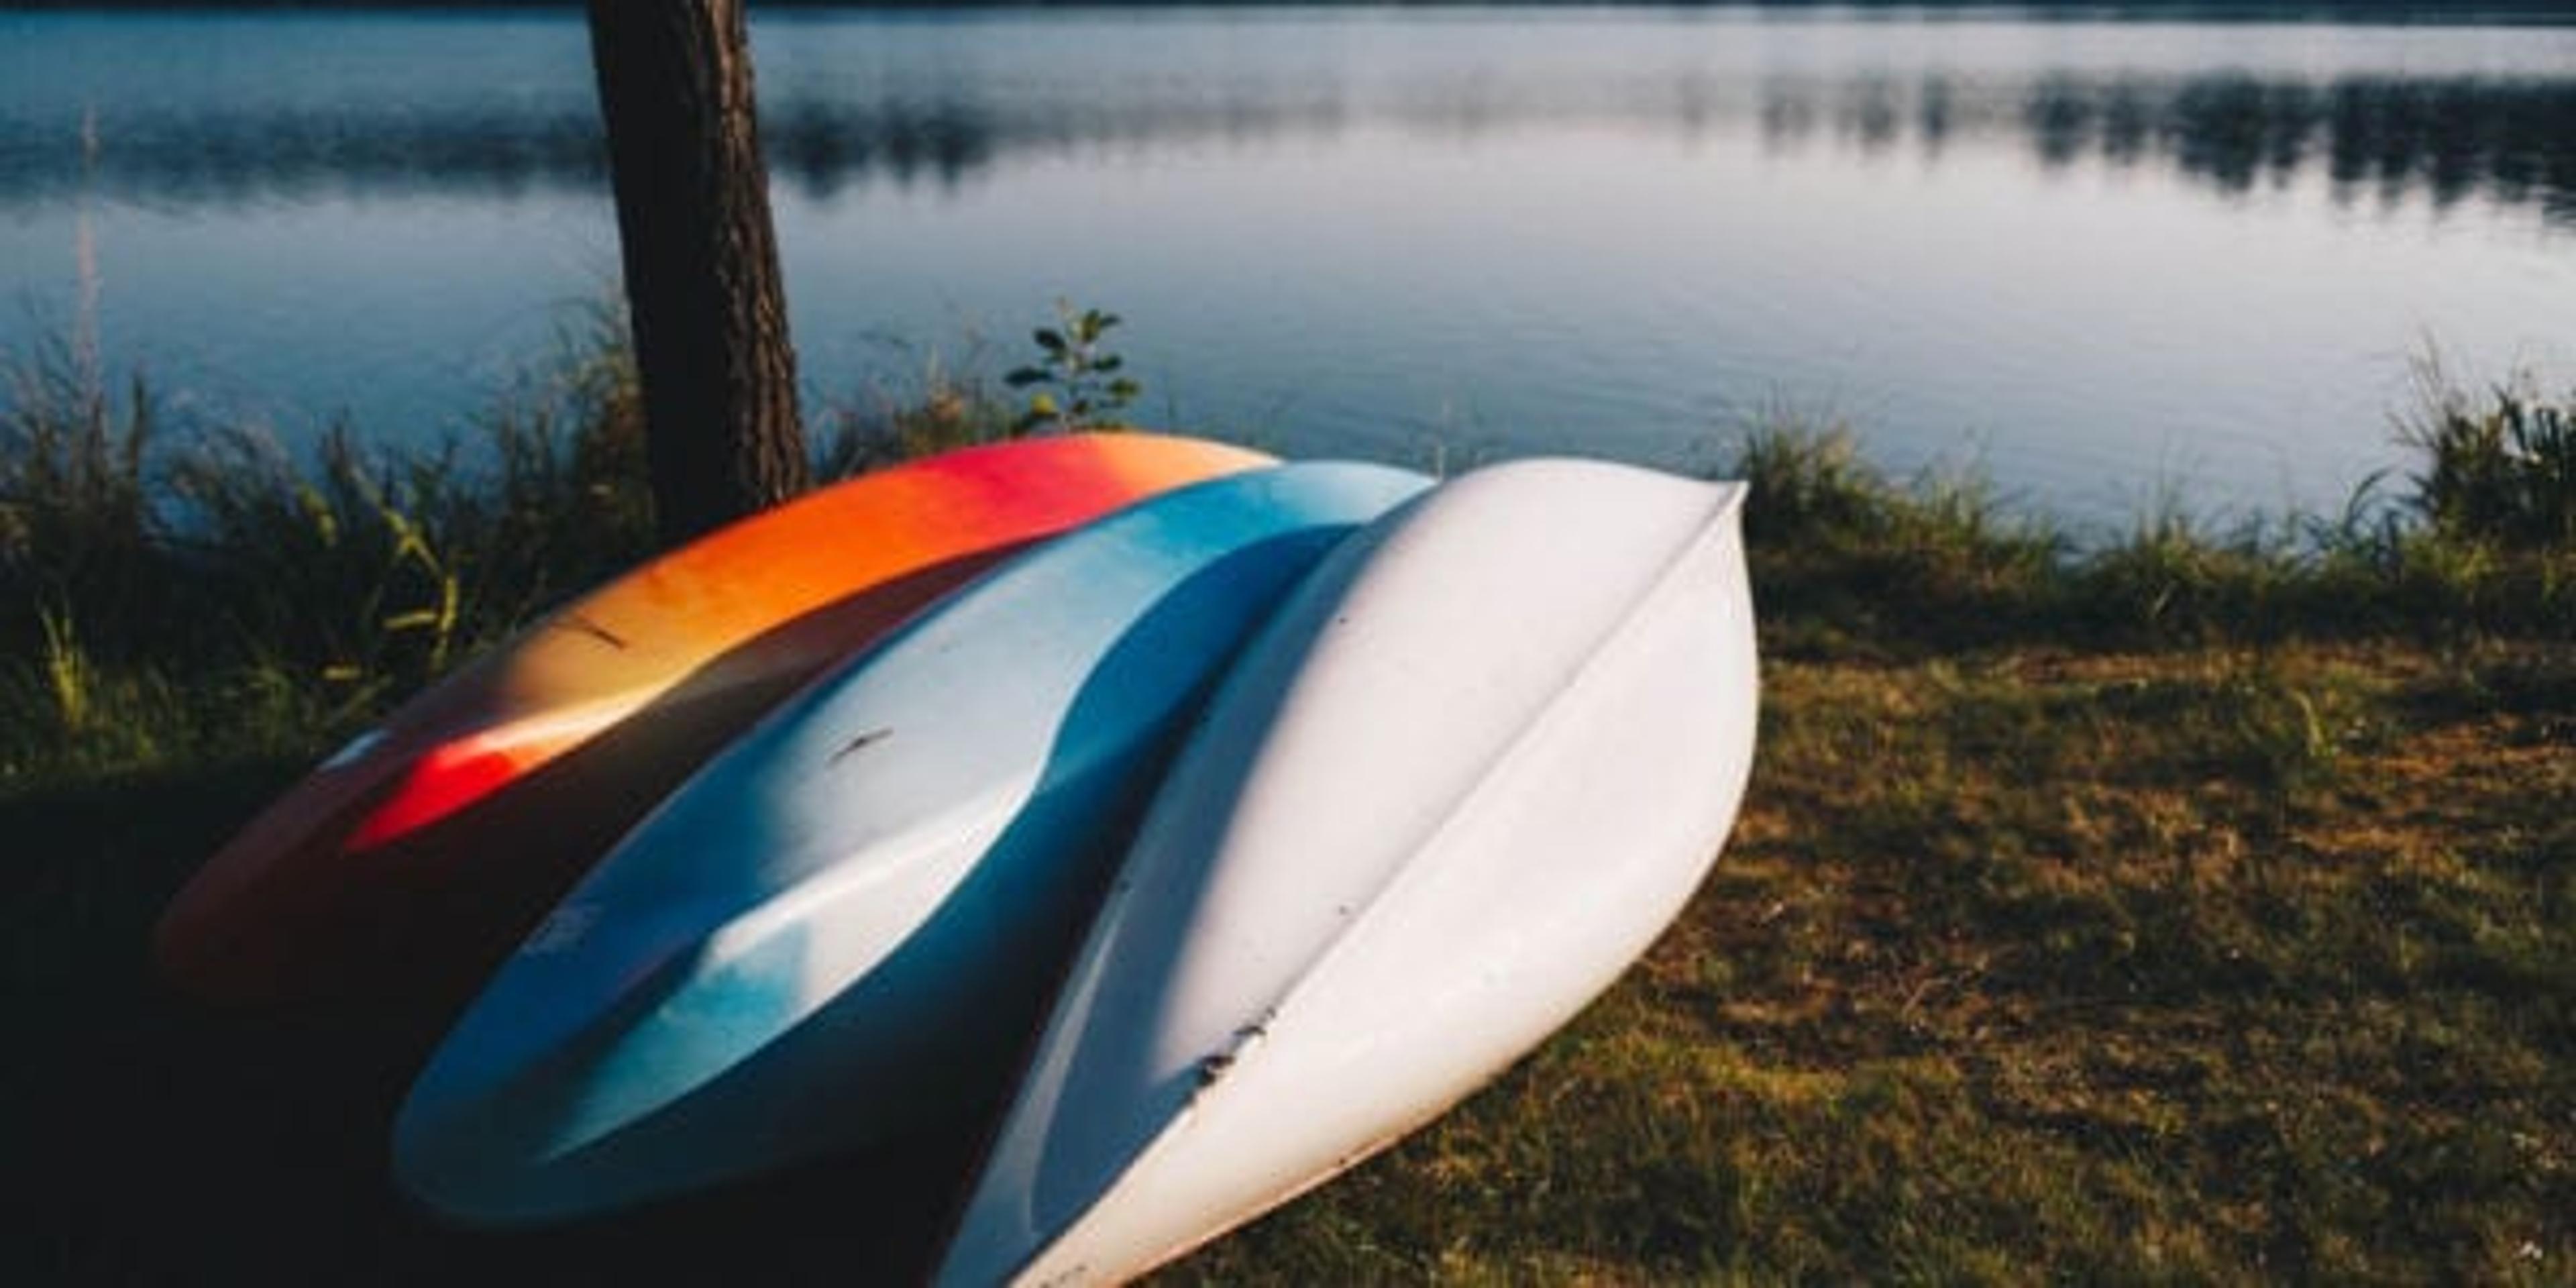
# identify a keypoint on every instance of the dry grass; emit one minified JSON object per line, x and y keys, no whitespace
{"x":2043,"y":965}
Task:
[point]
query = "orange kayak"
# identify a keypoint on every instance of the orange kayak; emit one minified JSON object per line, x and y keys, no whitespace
{"x":406,"y":866}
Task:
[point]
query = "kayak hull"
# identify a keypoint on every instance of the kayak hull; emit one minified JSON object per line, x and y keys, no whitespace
{"x":849,"y":921}
{"x":397,"y":873}
{"x":1456,"y":787}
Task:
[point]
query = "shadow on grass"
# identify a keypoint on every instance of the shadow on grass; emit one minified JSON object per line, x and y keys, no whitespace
{"x":154,"y":1142}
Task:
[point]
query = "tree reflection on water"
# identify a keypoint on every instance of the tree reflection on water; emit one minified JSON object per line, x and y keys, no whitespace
{"x":2386,"y":137}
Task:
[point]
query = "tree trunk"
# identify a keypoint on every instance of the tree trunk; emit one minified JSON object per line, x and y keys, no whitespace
{"x":702,"y":284}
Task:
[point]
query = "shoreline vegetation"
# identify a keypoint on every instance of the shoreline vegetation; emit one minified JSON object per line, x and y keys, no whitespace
{"x":2200,"y":904}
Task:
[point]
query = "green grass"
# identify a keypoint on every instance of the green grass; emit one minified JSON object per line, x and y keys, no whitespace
{"x":159,"y":587}
{"x":2033,"y":964}
{"x":1849,"y":561}
{"x":2195,"y":905}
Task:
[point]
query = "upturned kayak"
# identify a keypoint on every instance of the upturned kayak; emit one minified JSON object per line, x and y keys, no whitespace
{"x":1453,"y":790}
{"x":403,"y":868}
{"x":850,"y":920}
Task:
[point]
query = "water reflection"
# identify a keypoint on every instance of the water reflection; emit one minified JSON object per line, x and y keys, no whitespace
{"x":2386,"y":137}
{"x":223,"y":157}
{"x":2514,"y":141}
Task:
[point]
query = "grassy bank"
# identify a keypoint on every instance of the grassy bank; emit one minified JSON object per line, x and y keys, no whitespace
{"x":2071,"y":964}
{"x":2192,"y":906}
{"x":2201,"y":907}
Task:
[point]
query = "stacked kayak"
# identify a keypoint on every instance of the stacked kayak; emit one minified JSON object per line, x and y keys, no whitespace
{"x":1457,"y":786}
{"x":1188,"y":837}
{"x":403,"y":868}
{"x":847,"y":923}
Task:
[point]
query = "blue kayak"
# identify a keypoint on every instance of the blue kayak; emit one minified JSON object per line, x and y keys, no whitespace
{"x":849,"y":923}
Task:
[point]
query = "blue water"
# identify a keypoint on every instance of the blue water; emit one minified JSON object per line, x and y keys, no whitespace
{"x":2101,"y":259}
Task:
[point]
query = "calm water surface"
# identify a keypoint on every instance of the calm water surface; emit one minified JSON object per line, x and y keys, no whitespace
{"x":2098,"y":259}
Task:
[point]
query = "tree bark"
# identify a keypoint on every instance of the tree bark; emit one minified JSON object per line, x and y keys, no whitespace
{"x":702,"y":282}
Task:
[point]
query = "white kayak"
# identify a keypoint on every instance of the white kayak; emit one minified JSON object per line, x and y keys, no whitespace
{"x":847,"y":925}
{"x":1473,"y":768}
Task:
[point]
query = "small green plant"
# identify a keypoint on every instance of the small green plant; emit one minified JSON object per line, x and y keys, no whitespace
{"x":931,"y":402}
{"x":68,"y":674}
{"x":1807,"y":479}
{"x":351,"y":564}
{"x":76,"y":504}
{"x":2501,"y":470}
{"x":1075,"y":383}
{"x":565,"y":502}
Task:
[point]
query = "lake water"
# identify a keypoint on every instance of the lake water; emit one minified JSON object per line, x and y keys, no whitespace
{"x":2100,"y":259}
